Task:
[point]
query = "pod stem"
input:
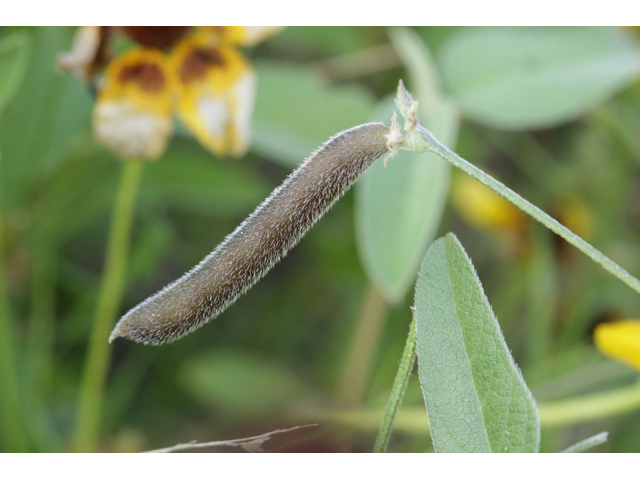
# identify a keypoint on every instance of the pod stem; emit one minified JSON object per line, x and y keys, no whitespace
{"x":109,"y":299}
{"x":364,"y":344}
{"x":397,"y":391}
{"x":418,"y":139}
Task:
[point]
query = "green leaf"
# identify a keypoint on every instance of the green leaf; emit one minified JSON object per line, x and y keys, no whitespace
{"x":296,"y":112}
{"x":398,"y":207}
{"x":14,"y":58}
{"x":47,"y":112}
{"x":476,"y":398}
{"x":523,"y":78}
{"x":240,"y":383}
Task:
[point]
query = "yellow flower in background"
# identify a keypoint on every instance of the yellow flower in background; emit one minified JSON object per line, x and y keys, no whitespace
{"x":620,"y":340}
{"x":575,"y":215}
{"x":215,"y":94}
{"x":132,"y":116}
{"x":482,"y":208}
{"x":196,"y":73}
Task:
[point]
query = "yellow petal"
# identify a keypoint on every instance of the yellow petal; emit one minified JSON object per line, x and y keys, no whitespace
{"x":245,"y":36}
{"x":575,"y":215}
{"x":481,"y":207}
{"x":216,"y":93}
{"x":132,"y":116}
{"x":620,"y":340}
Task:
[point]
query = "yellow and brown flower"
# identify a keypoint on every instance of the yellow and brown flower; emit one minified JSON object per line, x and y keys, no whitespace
{"x":197,"y":73}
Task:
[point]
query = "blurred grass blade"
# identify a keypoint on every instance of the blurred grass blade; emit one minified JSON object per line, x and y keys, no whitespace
{"x":524,"y":78}
{"x":588,"y":443}
{"x":398,"y":208}
{"x":296,"y":112}
{"x":476,"y":398}
{"x":11,"y":429}
{"x":400,"y":383}
{"x":48,"y":110}
{"x":14,"y":58}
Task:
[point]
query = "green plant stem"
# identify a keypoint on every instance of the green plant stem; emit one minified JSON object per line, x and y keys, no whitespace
{"x":398,"y":389}
{"x":588,"y":443}
{"x":358,"y":64}
{"x":421,"y":140}
{"x":571,"y":411}
{"x":590,"y":407}
{"x":11,"y":429}
{"x":111,"y":288}
{"x":365,"y":342}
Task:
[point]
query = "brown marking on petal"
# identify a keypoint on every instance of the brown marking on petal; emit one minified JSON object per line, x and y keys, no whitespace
{"x":199,"y":60}
{"x":156,"y":37}
{"x":148,"y":76}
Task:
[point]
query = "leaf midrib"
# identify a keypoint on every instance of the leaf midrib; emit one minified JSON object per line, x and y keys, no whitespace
{"x":464,"y":342}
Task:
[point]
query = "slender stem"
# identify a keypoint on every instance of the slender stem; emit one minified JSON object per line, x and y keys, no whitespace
{"x":572,"y":411}
{"x":111,"y":288}
{"x":363,"y":348}
{"x":588,"y":443}
{"x":590,"y":407}
{"x":11,"y":428}
{"x":423,"y":140}
{"x":360,"y":63}
{"x":249,"y":444}
{"x":397,"y":391}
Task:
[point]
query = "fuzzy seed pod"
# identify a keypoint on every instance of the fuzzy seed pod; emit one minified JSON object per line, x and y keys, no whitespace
{"x":259,"y":242}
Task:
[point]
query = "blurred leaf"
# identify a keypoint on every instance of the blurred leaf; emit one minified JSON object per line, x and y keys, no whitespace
{"x":296,"y":112}
{"x":320,"y":40}
{"x":524,"y":78}
{"x":239,"y":383}
{"x":398,"y":207}
{"x":476,"y":398}
{"x":14,"y":57}
{"x":48,"y":110}
{"x":190,"y":178}
{"x":75,"y":194}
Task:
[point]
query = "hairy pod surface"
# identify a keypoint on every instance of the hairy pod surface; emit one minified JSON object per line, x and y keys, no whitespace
{"x":248,"y":253}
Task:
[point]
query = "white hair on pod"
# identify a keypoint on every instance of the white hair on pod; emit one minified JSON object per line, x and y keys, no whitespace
{"x":248,"y":253}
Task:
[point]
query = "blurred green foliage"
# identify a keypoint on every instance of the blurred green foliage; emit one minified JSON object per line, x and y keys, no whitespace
{"x":276,"y":357}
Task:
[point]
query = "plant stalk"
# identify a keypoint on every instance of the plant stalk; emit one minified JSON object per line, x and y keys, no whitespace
{"x":397,"y":391}
{"x":109,"y":299}
{"x":588,"y":443}
{"x":421,"y":140}
{"x":588,"y":408}
{"x":366,"y":338}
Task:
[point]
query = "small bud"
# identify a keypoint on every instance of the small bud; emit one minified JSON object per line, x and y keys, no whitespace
{"x":408,"y":107}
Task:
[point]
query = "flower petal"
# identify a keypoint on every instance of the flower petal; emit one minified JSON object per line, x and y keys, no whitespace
{"x":132,"y":116}
{"x":88,"y":52}
{"x":481,"y":207}
{"x":216,"y":93}
{"x":620,"y":340}
{"x":245,"y":36}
